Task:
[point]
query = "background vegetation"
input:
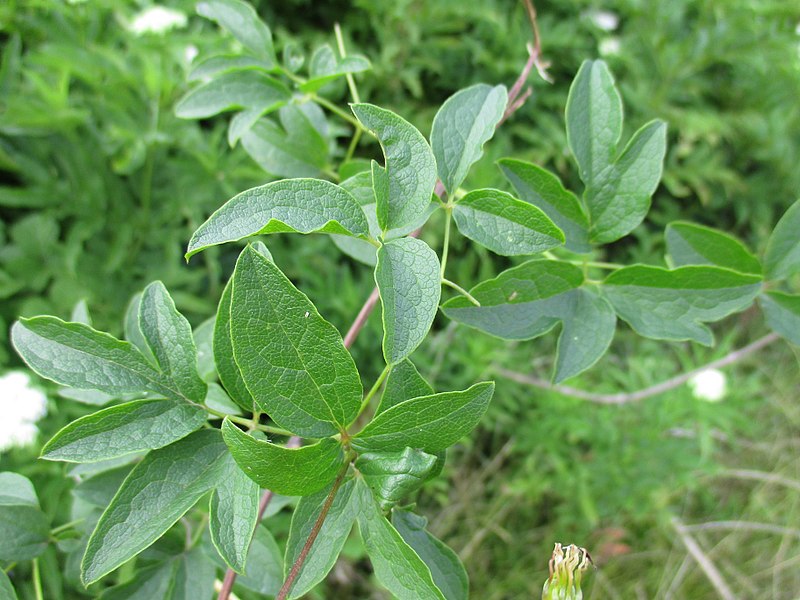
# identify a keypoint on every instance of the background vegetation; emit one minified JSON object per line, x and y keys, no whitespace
{"x":101,"y":186}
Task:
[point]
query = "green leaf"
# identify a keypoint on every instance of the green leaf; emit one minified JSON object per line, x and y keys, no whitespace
{"x":216,"y":65}
{"x":330,"y":540}
{"x":464,"y":123}
{"x":325,"y":66}
{"x":408,"y":278}
{"x":133,"y":333}
{"x":397,"y":567}
{"x":159,"y":490}
{"x":6,"y":589}
{"x":782,"y":312}
{"x":203,"y":336}
{"x":169,"y":336}
{"x":241,"y":20}
{"x":80,"y":313}
{"x":529,"y":300}
{"x":619,"y":197}
{"x":448,"y":573}
{"x":673,"y":305}
{"x":250,"y":90}
{"x":76,"y":355}
{"x":264,"y":573}
{"x":410,"y":166}
{"x":691,"y":244}
{"x":394,"y":475}
{"x":227,"y":369}
{"x":430,"y":423}
{"x":505,"y":225}
{"x":293,"y":205}
{"x":24,"y":528}
{"x":545,"y":191}
{"x":293,"y":361}
{"x":782,"y":256}
{"x":403,"y":383}
{"x":124,"y":429}
{"x":218,"y":400}
{"x":295,"y":148}
{"x":150,"y":582}
{"x":233,"y":515}
{"x":287,"y":471}
{"x":194,"y":577}
{"x":594,"y":120}
{"x":99,"y":489}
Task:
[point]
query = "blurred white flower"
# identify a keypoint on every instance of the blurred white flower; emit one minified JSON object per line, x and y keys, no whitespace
{"x":190,"y":53}
{"x":157,"y":19}
{"x":609,"y":46}
{"x":20,"y":407}
{"x":604,"y":20}
{"x":710,"y":385}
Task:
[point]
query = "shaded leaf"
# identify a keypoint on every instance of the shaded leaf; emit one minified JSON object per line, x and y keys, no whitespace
{"x":410,"y":166}
{"x":394,"y":475}
{"x":325,"y":66}
{"x":124,"y":429}
{"x":464,"y":123}
{"x":216,"y":65}
{"x":408,"y":278}
{"x":782,"y":256}
{"x":505,"y":225}
{"x":448,"y":573}
{"x":158,"y":491}
{"x":330,"y":540}
{"x":674,"y":305}
{"x":403,"y":383}
{"x":251,"y":90}
{"x":24,"y":528}
{"x":782,"y":312}
{"x":545,"y":191}
{"x":691,"y":244}
{"x":241,"y":20}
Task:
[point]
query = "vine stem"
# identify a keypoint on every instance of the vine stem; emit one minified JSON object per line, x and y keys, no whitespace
{"x":378,"y":382}
{"x":366,"y":309}
{"x":653,"y":390}
{"x":249,"y":423}
{"x":446,"y":242}
{"x":37,"y":580}
{"x":338,"y":111}
{"x":312,"y":536}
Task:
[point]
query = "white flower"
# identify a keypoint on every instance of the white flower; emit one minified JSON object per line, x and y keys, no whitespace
{"x":157,"y":19}
{"x":609,"y":46}
{"x":20,"y":407}
{"x":604,"y":20}
{"x":709,"y":385}
{"x":190,"y":53}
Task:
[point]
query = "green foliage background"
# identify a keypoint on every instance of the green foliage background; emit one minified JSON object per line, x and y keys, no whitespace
{"x":101,"y":186}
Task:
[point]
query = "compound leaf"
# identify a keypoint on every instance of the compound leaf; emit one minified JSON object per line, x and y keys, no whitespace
{"x":529,"y":300}
{"x":505,"y":225}
{"x":124,"y":429}
{"x":545,"y":191}
{"x":293,"y":361}
{"x":410,"y":166}
{"x":464,"y":123}
{"x":674,"y":305}
{"x":158,"y":491}
{"x":408,"y":278}
{"x":692,"y":244}
{"x":291,"y":205}
{"x":430,"y":423}
{"x":286,"y":471}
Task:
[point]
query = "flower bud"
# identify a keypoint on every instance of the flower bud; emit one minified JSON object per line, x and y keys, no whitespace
{"x":566,"y":569}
